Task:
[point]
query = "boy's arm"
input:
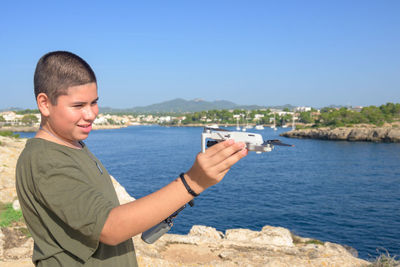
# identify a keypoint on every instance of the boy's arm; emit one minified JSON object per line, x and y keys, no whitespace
{"x":130,"y":219}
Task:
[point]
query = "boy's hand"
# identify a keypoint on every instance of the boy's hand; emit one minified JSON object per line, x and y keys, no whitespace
{"x":210,"y":167}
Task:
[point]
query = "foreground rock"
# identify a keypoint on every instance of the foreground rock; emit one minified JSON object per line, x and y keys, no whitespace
{"x":272,"y":246}
{"x":384,"y":134}
{"x":205,"y":246}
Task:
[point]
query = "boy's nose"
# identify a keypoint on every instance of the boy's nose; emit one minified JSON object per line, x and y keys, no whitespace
{"x":89,"y":113}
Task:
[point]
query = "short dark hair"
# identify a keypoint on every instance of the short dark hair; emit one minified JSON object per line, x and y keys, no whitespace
{"x":57,"y":71}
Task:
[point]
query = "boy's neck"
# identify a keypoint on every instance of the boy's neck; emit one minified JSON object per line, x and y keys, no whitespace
{"x":49,"y":136}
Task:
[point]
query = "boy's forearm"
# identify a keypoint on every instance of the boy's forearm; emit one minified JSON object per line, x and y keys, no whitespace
{"x":136,"y":217}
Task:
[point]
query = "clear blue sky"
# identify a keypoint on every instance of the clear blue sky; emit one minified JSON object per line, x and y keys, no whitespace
{"x":312,"y":53}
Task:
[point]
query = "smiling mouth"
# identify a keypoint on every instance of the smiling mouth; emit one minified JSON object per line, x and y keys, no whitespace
{"x":85,"y":126}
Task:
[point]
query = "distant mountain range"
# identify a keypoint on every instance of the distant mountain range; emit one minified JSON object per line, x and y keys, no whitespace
{"x":11,"y":109}
{"x":180,"y":105}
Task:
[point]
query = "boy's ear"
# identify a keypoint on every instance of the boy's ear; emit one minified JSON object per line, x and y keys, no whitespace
{"x":43,"y":103}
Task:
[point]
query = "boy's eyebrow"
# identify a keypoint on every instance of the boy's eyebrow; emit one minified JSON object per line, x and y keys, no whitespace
{"x":82,"y":102}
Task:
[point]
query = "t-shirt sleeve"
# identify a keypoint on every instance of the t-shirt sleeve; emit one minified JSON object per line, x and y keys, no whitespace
{"x":75,"y":210}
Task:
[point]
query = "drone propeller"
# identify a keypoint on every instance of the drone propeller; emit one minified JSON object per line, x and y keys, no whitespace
{"x":276,"y":142}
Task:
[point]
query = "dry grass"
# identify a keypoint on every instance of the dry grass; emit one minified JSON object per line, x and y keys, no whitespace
{"x":385,"y":260}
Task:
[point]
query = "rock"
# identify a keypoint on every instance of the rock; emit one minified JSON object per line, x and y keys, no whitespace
{"x":357,"y":134}
{"x":1,"y":244}
{"x":393,"y":134}
{"x":123,"y":196}
{"x":18,"y":263}
{"x":198,"y":235}
{"x":370,"y":134}
{"x":351,"y":250}
{"x":16,"y":205}
{"x":10,"y":148}
{"x":277,"y":236}
{"x":21,"y":252}
{"x":206,"y":232}
{"x":338,"y":134}
{"x":272,"y":246}
{"x":15,"y":247}
{"x":273,"y":236}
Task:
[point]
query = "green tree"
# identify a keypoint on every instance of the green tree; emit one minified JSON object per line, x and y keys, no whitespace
{"x":390,"y":111}
{"x":306,"y":117}
{"x":29,"y":119}
{"x":374,"y":115}
{"x":286,"y":118}
{"x":27,"y":111}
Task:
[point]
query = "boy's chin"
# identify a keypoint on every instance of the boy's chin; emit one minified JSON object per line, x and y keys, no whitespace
{"x":81,"y":136}
{"x":84,"y":136}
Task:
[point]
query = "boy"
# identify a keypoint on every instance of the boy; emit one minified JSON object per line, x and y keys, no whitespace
{"x":66,"y":195}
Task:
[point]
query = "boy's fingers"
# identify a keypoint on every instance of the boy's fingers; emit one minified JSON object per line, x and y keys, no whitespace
{"x":226,"y":164}
{"x":226,"y":152}
{"x":211,"y":151}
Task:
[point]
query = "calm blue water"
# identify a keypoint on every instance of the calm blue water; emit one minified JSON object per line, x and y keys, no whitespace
{"x":342,"y":192}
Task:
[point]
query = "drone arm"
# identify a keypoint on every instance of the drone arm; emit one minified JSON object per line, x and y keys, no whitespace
{"x":204,"y":136}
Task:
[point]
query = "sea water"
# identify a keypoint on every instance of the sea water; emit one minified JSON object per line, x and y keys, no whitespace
{"x":336,"y":191}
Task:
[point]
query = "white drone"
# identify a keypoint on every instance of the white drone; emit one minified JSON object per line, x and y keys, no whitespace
{"x":253,"y":141}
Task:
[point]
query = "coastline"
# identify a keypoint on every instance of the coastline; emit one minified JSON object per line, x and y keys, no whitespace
{"x":359,"y":133}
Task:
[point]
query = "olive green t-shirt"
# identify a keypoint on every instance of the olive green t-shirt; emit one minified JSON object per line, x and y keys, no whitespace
{"x":66,"y":195}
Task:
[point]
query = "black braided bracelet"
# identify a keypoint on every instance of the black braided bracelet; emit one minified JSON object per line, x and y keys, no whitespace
{"x":187,"y":186}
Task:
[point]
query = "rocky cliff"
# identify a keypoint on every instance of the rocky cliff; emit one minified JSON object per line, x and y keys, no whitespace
{"x":203,"y":246}
{"x":10,"y":148}
{"x":371,"y":134}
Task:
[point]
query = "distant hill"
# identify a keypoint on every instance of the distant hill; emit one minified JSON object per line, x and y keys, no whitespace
{"x":180,"y":105}
{"x":11,"y":109}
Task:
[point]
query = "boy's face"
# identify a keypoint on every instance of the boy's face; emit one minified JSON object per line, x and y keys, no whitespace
{"x":71,"y":119}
